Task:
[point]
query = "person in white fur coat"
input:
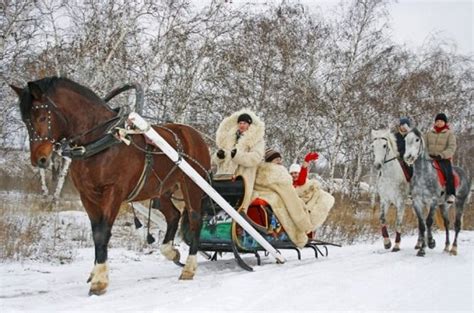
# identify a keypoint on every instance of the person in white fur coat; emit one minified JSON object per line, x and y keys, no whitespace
{"x":274,"y":185}
{"x":318,"y":202}
{"x":241,"y":147}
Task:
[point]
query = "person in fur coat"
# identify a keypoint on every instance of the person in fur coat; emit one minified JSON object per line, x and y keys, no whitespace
{"x":241,"y":147}
{"x":318,"y":202}
{"x":273,"y":184}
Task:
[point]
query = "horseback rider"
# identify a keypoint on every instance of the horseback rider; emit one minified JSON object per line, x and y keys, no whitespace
{"x":400,"y":131}
{"x":241,"y":147}
{"x":441,"y":146}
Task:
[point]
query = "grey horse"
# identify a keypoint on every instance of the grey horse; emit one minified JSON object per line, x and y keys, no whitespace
{"x":427,"y":192}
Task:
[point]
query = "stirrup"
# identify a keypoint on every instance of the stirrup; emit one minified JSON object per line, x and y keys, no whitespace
{"x":451,"y":199}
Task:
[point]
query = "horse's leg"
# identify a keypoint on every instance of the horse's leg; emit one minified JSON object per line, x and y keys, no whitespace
{"x":400,"y":214}
{"x":172,"y":216}
{"x":445,"y":212}
{"x":383,"y":212}
{"x":429,"y":223}
{"x":102,"y":216}
{"x":457,"y":226}
{"x":420,"y":244}
{"x":192,"y":197}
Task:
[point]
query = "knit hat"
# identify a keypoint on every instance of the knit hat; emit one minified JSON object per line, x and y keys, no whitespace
{"x":295,"y":168}
{"x":441,"y":116}
{"x":405,"y":120}
{"x":271,"y":155}
{"x":244,"y":118}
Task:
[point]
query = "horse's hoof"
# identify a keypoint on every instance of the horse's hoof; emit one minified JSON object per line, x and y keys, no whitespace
{"x":431,"y":243}
{"x":96,"y":292}
{"x":387,"y":243}
{"x":453,"y":252}
{"x":396,"y":249}
{"x":98,"y":289}
{"x":421,"y":252}
{"x":177,"y":256}
{"x":186,"y":276}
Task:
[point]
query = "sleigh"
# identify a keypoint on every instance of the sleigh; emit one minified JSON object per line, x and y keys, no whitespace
{"x":220,"y":233}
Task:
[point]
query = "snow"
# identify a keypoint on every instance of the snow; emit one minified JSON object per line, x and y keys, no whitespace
{"x":361,"y":277}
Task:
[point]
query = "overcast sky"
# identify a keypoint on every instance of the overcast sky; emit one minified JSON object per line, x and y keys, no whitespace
{"x":413,"y":21}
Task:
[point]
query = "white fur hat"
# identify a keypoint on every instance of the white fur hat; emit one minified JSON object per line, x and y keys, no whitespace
{"x":295,"y":168}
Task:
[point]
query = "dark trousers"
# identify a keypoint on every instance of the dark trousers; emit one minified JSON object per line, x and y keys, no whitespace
{"x":447,"y":170}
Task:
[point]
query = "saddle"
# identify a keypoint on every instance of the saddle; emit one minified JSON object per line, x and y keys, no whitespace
{"x":442,"y":178}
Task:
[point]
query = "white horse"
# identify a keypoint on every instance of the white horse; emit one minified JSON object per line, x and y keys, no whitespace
{"x":392,"y":185}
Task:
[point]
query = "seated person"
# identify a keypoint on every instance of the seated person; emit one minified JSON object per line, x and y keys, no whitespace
{"x":241,"y":148}
{"x":274,"y":185}
{"x":317,"y":201}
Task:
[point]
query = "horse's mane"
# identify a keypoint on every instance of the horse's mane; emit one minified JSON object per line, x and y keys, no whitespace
{"x":48,"y":85}
{"x":417,"y":132}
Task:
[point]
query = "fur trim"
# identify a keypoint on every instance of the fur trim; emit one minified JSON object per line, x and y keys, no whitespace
{"x":318,"y":202}
{"x":272,"y":173}
{"x":225,"y":135}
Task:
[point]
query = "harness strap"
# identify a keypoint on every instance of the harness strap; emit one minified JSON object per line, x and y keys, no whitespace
{"x":108,"y":140}
{"x":144,"y":176}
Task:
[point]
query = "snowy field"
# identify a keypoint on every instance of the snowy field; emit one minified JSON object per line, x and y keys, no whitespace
{"x":362,"y":277}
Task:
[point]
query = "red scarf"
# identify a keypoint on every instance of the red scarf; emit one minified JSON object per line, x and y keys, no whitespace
{"x":440,"y":129}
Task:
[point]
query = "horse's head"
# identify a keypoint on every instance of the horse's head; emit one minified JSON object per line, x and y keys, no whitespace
{"x":382,"y":145}
{"x":414,"y":146}
{"x":45,"y":123}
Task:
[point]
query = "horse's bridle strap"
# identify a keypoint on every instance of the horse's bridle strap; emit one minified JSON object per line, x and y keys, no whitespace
{"x":386,"y":149}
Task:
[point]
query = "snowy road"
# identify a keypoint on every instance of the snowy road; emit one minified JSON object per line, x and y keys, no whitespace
{"x":362,"y":277}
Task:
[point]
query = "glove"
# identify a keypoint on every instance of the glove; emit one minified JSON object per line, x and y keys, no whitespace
{"x":312,"y":156}
{"x":435,"y":157}
{"x":220,"y":154}
{"x":233,"y":152}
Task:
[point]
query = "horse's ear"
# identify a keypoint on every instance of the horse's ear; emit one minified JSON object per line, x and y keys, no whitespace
{"x":35,"y":90}
{"x":18,"y":90}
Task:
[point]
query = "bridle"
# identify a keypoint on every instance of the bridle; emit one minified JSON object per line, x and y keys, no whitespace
{"x":59,"y":143}
{"x":420,"y":147}
{"x":386,"y":150}
{"x":49,"y":106}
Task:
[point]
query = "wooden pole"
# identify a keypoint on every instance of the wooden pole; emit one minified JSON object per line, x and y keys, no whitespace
{"x":151,"y":134}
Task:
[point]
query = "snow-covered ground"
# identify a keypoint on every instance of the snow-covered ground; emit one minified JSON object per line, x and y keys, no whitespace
{"x":362,"y":277}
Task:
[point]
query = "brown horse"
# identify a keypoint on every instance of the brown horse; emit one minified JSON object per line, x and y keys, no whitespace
{"x":60,"y":110}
